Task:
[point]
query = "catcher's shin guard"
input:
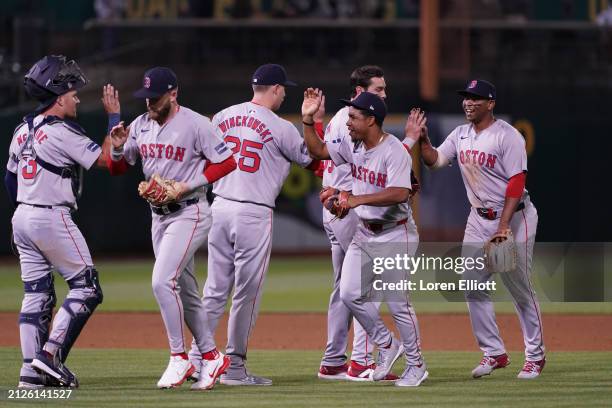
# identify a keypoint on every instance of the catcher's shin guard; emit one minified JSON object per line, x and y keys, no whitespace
{"x":80,"y":303}
{"x":35,"y":316}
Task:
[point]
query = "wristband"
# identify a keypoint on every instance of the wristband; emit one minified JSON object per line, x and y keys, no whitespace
{"x":409,"y":142}
{"x":113,"y":120}
{"x":308,"y":124}
{"x":116,"y":154}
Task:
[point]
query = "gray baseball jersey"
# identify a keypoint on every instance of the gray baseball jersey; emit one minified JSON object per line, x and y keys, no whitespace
{"x":337,"y":176}
{"x":340,"y":233}
{"x":264,"y":145}
{"x":487,"y":160}
{"x":240,"y":240}
{"x":59,"y":143}
{"x":45,"y":235}
{"x":177,"y":150}
{"x":386,"y":165}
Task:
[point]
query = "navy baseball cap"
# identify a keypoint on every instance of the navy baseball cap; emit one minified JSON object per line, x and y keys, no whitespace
{"x":271,"y":74}
{"x":368,"y":102}
{"x":156,"y":82}
{"x":479,"y":88}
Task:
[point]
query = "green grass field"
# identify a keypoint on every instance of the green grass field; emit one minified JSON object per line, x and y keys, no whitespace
{"x":127,"y":378}
{"x":114,"y":378}
{"x":292,"y":285}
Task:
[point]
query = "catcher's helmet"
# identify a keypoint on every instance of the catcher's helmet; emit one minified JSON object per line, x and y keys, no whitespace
{"x":51,"y":77}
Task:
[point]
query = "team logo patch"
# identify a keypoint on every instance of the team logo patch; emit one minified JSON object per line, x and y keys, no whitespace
{"x":221,"y":148}
{"x":473,"y":84}
{"x":92,"y":147}
{"x":147,"y":82}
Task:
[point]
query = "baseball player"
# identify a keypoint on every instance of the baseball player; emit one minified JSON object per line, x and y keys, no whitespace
{"x":493,"y":163}
{"x":241,"y":234}
{"x":380,"y":168}
{"x":178,"y":144}
{"x":46,"y":155}
{"x":340,"y":232}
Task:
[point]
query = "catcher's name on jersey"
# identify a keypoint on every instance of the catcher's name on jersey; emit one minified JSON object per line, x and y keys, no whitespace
{"x":60,"y":143}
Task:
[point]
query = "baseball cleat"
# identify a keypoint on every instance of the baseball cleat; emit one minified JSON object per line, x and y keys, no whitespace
{"x":488,"y":364}
{"x":531,"y":369}
{"x":413,"y":376}
{"x":30,"y":383}
{"x":358,"y":372}
{"x":176,"y":373}
{"x":248,"y":380}
{"x":332,"y":372}
{"x":45,"y":363}
{"x":386,"y":358}
{"x":210,"y":372}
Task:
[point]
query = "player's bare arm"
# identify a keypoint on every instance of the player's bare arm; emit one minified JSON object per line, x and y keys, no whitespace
{"x":509,"y":209}
{"x":110,"y":99}
{"x":112,"y":106}
{"x":513,"y":196}
{"x":312,"y":101}
{"x":388,"y":196}
{"x":416,"y":131}
{"x":320,"y":113}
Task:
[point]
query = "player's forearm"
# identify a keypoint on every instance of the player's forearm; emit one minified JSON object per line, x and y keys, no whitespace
{"x":316,"y":147}
{"x":509,"y":209}
{"x":428,"y":152}
{"x":387,"y":197}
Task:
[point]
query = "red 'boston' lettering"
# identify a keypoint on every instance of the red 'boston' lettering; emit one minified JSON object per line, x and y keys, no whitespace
{"x":180,"y":154}
{"x":481,"y":158}
{"x":169,"y":151}
{"x":381,"y":180}
{"x":491,"y":161}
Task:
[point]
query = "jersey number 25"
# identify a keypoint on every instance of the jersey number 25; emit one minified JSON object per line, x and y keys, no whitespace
{"x":249,"y":158}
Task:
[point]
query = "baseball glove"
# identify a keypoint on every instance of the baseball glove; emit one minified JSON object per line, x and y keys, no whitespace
{"x":337,"y":203}
{"x":158,"y":190}
{"x":327,"y":192}
{"x":500,"y":252}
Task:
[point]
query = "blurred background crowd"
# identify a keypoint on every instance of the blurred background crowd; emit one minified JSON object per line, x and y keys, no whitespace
{"x":551,"y":62}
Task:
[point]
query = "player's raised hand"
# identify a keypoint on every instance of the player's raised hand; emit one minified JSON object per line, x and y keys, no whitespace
{"x":312,"y":101}
{"x":320,"y":113}
{"x":415,"y":125}
{"x":119,"y":135}
{"x":110,"y":99}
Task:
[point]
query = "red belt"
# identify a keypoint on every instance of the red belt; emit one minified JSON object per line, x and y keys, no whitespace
{"x":377,"y":227}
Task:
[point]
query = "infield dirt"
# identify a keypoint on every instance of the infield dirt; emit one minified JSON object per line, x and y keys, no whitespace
{"x":308,"y":331}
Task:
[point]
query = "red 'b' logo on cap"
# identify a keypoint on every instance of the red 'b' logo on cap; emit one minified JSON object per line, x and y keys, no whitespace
{"x":472,"y":84}
{"x":147,"y":82}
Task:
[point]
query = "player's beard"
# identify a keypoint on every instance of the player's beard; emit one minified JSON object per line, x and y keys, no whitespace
{"x":161,"y":114}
